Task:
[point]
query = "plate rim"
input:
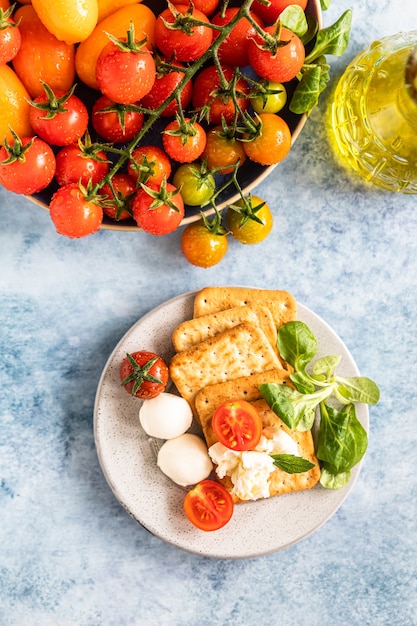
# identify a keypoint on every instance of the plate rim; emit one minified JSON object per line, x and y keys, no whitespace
{"x":104,"y":466}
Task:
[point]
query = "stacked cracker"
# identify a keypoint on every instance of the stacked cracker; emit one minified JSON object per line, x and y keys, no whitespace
{"x":226,"y":351}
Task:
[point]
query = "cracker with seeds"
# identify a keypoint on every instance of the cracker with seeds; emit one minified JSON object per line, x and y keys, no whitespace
{"x":281,"y":303}
{"x":247,"y":388}
{"x":238,"y":351}
{"x":192,"y":332}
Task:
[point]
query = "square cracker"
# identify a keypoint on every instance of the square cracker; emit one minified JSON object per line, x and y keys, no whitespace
{"x":238,"y":351}
{"x":191,"y":332}
{"x":282,"y":304}
{"x":247,"y":388}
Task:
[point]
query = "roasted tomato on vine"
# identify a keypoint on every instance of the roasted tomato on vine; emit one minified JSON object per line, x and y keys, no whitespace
{"x":280,"y":57}
{"x":204,"y":242}
{"x":190,"y":40}
{"x":158,"y":210}
{"x":250,"y":220}
{"x":149,"y":164}
{"x":233,"y":50}
{"x":144,"y":374}
{"x":184,"y":140}
{"x":271,"y":142}
{"x":115,"y":122}
{"x":167,"y":80}
{"x":10,"y":38}
{"x":60,"y":118}
{"x":237,"y":425}
{"x":223,"y":150}
{"x":75,"y":211}
{"x":208,"y":506}
{"x":214,"y":94}
{"x":125,"y":69}
{"x":27,"y":165}
{"x":82,"y":161}
{"x":118,"y":196}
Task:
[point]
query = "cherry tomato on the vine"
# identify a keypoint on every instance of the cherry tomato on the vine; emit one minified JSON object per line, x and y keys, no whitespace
{"x":223,"y":151}
{"x":237,"y":425}
{"x":144,"y":374}
{"x":27,"y":165}
{"x":273,"y":142}
{"x":281,"y":64}
{"x":167,"y":80}
{"x":233,"y":50}
{"x":80,"y":163}
{"x":60,"y":118}
{"x":74,"y":213}
{"x":115,"y":122}
{"x":205,"y":6}
{"x":269,"y":97}
{"x":118,"y":196}
{"x":211,"y":92}
{"x":158,"y":210}
{"x":270,"y":13}
{"x":149,"y":164}
{"x":125,"y":71}
{"x":184,"y":140}
{"x":196,"y":185}
{"x":208,"y":506}
{"x":187,"y":44}
{"x":203,"y":246}
{"x":251,"y":221}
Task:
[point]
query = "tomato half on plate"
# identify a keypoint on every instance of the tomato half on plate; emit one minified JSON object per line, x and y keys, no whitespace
{"x":209,"y":506}
{"x":237,"y":425}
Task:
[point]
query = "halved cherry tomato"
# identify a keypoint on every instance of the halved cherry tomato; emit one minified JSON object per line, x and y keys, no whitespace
{"x":208,"y":506}
{"x":118,"y":123}
{"x":42,"y":56}
{"x":144,"y":374}
{"x":187,"y":44}
{"x":273,"y":142}
{"x":237,"y":425}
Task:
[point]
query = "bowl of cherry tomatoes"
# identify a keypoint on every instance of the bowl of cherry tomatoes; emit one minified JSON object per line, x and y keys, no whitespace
{"x":164,"y":111}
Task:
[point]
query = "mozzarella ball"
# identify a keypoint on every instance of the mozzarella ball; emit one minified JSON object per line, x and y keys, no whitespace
{"x":185,"y":459}
{"x":165,"y":416}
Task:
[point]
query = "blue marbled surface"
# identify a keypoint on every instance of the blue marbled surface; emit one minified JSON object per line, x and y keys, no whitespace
{"x":69,"y":553}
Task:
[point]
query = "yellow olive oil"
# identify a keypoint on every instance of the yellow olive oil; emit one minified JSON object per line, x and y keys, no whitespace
{"x":374,"y":114}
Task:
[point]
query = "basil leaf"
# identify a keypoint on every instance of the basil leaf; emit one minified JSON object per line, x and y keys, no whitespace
{"x":334,"y":481}
{"x":358,"y":389}
{"x":303,"y":405}
{"x":333,"y":39}
{"x":342,"y":440}
{"x":296,"y":344}
{"x":294,"y":18}
{"x":292,"y":464}
{"x":277,"y":400}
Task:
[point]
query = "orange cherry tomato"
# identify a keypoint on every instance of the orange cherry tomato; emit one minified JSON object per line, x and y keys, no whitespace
{"x":68,"y":20}
{"x":209,"y":506}
{"x":107,"y":7}
{"x":273,"y":142}
{"x":14,"y":105}
{"x":42,"y":56}
{"x":117,"y":24}
{"x":237,"y":425}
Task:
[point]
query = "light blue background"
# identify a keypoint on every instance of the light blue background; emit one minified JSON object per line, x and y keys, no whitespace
{"x":69,"y":554}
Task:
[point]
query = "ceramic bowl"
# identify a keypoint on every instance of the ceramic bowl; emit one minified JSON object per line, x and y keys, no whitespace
{"x":250,"y":174}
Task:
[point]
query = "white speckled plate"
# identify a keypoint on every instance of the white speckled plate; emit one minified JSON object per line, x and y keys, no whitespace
{"x":127,"y":455}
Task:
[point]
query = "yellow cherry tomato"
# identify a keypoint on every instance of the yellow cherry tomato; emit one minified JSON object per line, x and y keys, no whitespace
{"x":117,"y":24}
{"x":14,"y":105}
{"x":107,"y":7}
{"x":42,"y":56}
{"x":71,"y":21}
{"x":253,"y":223}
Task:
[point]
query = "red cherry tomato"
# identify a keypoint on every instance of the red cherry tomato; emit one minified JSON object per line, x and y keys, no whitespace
{"x":119,"y":196}
{"x":144,"y":374}
{"x":205,"y":6}
{"x":158,"y":210}
{"x":209,"y":92}
{"x":59,"y":117}
{"x":115,"y":122}
{"x":270,"y":13}
{"x":184,"y":141}
{"x":74,"y":213}
{"x":27,"y":165}
{"x":281,"y":65}
{"x":125,"y":76}
{"x":184,"y":46}
{"x":10,"y":38}
{"x":237,"y":425}
{"x":149,"y":165}
{"x":165,"y":84}
{"x":75,"y":163}
{"x":208,"y":506}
